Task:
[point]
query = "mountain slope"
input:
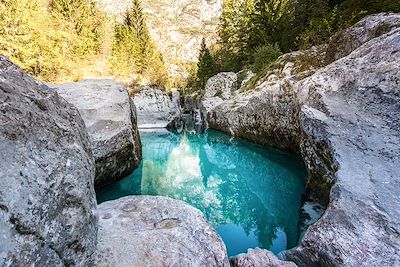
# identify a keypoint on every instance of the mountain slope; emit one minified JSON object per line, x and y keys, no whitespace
{"x":177,"y":27}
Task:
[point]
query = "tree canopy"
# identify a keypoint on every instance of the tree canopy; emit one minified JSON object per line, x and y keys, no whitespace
{"x":61,"y":40}
{"x":134,"y":52}
{"x":253,"y":26}
{"x":205,"y":65}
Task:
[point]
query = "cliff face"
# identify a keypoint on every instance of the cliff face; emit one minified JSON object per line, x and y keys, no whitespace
{"x":177,"y":27}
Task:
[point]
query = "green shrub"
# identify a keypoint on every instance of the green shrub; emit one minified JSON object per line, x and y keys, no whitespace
{"x":264,"y":56}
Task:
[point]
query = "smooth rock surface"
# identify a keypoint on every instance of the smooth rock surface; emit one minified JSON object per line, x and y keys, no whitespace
{"x":345,"y":42}
{"x":265,"y":115}
{"x":110,"y":119}
{"x":156,"y":231}
{"x":345,"y":121}
{"x":155,"y":108}
{"x":259,"y":258}
{"x":47,"y":170}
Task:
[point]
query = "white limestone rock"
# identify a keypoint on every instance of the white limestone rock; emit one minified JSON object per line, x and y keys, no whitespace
{"x":110,"y":118}
{"x":345,"y":121}
{"x":259,"y":258}
{"x":156,"y":231}
{"x":47,"y":197}
{"x":155,"y":108}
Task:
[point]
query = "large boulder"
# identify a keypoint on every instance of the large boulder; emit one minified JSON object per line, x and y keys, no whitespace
{"x":156,"y":231}
{"x":259,"y":258}
{"x":47,"y":198}
{"x":110,"y":118}
{"x":345,"y":121}
{"x":348,"y":40}
{"x":219,"y":88}
{"x":155,"y":108}
{"x":265,"y":115}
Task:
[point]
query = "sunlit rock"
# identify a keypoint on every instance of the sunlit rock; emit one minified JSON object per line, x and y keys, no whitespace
{"x":47,"y":169}
{"x":345,"y":42}
{"x":351,"y":129}
{"x":156,"y":231}
{"x":344,"y":118}
{"x":217,"y":89}
{"x":155,"y":108}
{"x":259,"y":258}
{"x":110,"y":118}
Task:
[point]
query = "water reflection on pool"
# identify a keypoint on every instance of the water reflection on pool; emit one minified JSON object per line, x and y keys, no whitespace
{"x":250,"y":194}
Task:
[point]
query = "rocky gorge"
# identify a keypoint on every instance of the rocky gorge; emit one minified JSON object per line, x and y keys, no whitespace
{"x":344,"y":120}
{"x":53,"y":155}
{"x":337,"y":105}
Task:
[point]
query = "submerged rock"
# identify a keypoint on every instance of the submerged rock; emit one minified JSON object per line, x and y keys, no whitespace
{"x":110,"y":118}
{"x":156,"y":231}
{"x":259,"y":258}
{"x":155,"y":108}
{"x":345,"y":121}
{"x":46,"y":176}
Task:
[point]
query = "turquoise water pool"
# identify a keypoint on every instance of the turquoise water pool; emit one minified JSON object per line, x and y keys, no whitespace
{"x":250,"y":194}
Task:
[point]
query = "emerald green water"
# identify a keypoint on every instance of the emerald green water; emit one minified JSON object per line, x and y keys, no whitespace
{"x":250,"y":194}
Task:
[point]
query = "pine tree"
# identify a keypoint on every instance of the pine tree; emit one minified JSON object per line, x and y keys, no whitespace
{"x":235,"y":32}
{"x":132,"y":41}
{"x":88,"y":22}
{"x":135,"y":24}
{"x":205,"y":65}
{"x":134,"y":52}
{"x":267,"y":19}
{"x":138,"y":22}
